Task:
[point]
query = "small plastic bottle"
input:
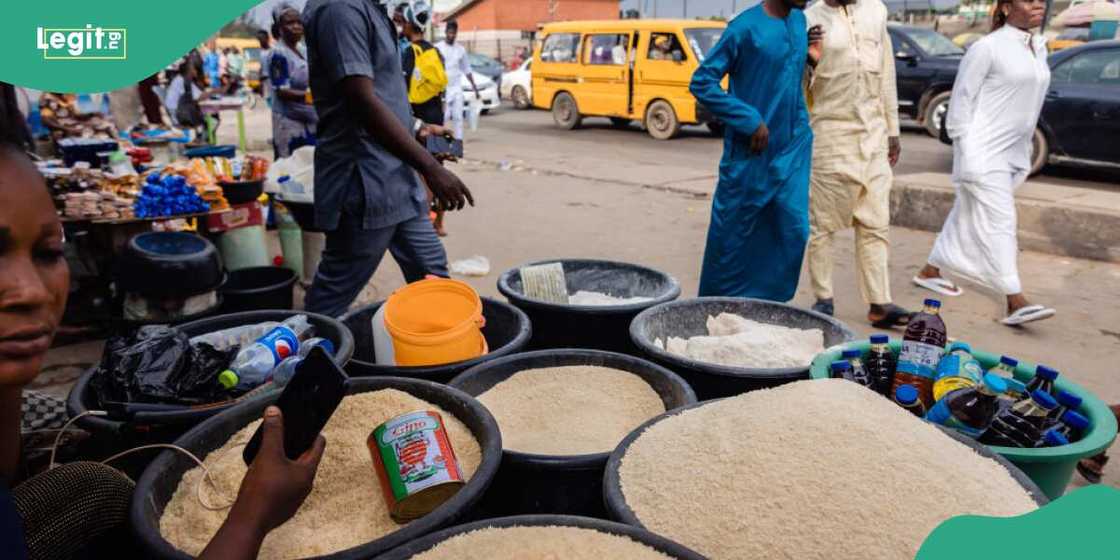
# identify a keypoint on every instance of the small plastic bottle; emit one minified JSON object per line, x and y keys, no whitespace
{"x":880,"y":364}
{"x":969,"y":410}
{"x":1022,"y":424}
{"x":1073,"y":425}
{"x":287,"y":369}
{"x":906,"y":396}
{"x":859,"y":372}
{"x":842,"y":369}
{"x":1066,"y":401}
{"x":1054,"y":438}
{"x":1043,"y":380}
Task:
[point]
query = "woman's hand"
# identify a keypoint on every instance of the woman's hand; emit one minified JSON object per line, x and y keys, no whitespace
{"x":816,"y":44}
{"x":271,"y":493}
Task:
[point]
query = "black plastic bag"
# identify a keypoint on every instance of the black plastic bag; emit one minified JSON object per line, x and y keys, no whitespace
{"x":157,"y":364}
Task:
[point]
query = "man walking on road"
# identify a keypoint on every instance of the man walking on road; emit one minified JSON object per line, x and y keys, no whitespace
{"x":760,"y":219}
{"x":368,"y":196}
{"x":457,"y":64}
{"x":853,"y":109}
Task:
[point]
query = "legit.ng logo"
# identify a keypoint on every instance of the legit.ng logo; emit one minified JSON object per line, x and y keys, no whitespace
{"x":88,"y":43}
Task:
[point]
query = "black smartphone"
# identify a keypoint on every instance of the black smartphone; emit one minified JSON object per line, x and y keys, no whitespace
{"x":443,"y":145}
{"x":307,"y":402}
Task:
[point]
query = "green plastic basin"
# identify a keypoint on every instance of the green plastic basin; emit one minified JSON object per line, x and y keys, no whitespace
{"x":1051,"y":468}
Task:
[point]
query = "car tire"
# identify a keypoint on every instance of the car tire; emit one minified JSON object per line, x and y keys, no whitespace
{"x":661,"y":120}
{"x":619,"y":122}
{"x":1040,"y":151}
{"x":717,"y":129}
{"x":565,"y":111}
{"x":484,"y":112}
{"x":520,"y":98}
{"x":935,"y":110}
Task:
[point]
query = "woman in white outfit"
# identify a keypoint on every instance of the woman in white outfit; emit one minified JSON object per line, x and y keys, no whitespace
{"x":997,"y":97}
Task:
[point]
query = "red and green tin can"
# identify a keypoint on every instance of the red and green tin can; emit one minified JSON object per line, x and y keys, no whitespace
{"x":415,"y":463}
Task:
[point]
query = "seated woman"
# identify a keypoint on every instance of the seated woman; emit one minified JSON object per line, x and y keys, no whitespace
{"x":62,"y":117}
{"x":60,"y":512}
{"x":190,"y":72}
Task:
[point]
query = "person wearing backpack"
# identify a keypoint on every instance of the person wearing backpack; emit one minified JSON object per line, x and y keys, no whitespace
{"x":422,"y":63}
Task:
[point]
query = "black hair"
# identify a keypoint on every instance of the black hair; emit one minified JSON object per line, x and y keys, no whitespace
{"x":13,"y":127}
{"x":452,"y":25}
{"x":262,"y":33}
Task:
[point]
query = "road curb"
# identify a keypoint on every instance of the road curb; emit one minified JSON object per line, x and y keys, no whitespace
{"x":1047,"y":227}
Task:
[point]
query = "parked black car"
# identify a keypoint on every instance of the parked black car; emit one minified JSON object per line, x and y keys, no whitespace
{"x":1080,"y":121}
{"x":926,"y":63}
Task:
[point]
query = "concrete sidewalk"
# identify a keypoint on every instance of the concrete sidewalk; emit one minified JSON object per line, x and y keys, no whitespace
{"x":1053,"y":218}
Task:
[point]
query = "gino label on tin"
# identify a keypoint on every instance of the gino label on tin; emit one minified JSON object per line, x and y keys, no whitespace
{"x":88,"y":43}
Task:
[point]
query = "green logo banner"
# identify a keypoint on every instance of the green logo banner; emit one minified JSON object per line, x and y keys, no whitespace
{"x":1081,"y":524}
{"x":86,"y":46}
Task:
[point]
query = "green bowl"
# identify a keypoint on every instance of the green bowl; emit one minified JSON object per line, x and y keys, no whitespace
{"x":1051,"y":468}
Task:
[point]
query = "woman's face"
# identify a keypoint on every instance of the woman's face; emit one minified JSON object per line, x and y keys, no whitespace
{"x":1025,"y":14}
{"x":34,"y":277}
{"x":291,"y":26}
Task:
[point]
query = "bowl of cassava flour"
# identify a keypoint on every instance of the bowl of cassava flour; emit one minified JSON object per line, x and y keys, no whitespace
{"x":728,"y":346}
{"x":345,"y":516}
{"x":822,"y":469}
{"x":542,"y":537}
{"x":561,"y":413}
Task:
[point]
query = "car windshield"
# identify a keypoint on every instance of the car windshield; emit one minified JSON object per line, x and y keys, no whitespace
{"x":702,"y":40}
{"x":934,"y":43}
{"x":1075,"y":34}
{"x":481,"y":61}
{"x":253,"y":54}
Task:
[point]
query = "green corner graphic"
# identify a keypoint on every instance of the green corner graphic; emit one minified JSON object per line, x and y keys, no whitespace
{"x":1078,"y":525}
{"x":156,"y":33}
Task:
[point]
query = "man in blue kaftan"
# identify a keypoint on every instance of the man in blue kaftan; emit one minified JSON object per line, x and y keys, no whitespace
{"x":760,"y":214}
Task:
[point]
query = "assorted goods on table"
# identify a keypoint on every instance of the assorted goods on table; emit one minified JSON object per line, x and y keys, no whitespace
{"x":81,"y":193}
{"x":948,"y":386}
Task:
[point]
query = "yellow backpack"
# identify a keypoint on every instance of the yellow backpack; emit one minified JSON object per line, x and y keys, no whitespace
{"x":429,"y":78}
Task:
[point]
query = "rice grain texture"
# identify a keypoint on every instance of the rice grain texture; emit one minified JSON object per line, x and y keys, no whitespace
{"x":345,"y":508}
{"x":540,"y":543}
{"x":822,"y":469}
{"x":571,"y":410}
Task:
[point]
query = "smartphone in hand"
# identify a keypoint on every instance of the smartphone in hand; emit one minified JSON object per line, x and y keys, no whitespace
{"x":307,"y":402}
{"x":442,"y":145}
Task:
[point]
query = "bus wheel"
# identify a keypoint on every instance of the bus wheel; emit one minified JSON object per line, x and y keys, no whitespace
{"x":565,"y":111}
{"x":661,"y":120}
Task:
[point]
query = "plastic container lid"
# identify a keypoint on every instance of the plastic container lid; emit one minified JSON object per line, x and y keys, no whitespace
{"x":1009,"y":361}
{"x":995,"y":383}
{"x":284,"y":179}
{"x":1015,"y":385}
{"x":906,"y":395}
{"x":1068,"y":399}
{"x":880,"y":339}
{"x":1075,"y":420}
{"x":933,"y":303}
{"x":841,"y":365}
{"x":228,"y":379}
{"x":1054,"y":438}
{"x":1046,"y":373}
{"x":852,"y":353}
{"x":1043,"y":399}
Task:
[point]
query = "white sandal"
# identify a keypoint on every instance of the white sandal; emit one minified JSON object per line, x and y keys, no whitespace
{"x":1028,"y":314}
{"x":939,"y":285}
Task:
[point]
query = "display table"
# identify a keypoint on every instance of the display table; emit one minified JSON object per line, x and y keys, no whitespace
{"x":229,"y":103}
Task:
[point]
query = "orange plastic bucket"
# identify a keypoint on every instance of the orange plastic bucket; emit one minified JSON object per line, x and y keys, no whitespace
{"x":435,"y":322}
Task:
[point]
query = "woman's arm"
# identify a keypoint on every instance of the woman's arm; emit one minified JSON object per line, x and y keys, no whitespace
{"x":973,"y":71}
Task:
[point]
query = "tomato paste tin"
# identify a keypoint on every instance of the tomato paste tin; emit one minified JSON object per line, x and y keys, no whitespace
{"x":415,"y":463}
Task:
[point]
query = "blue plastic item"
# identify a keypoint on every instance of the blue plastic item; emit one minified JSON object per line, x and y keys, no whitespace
{"x":226,"y":151}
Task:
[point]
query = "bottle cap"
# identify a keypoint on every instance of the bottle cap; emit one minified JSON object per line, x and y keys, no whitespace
{"x":1069,"y":400}
{"x":1046,"y":373}
{"x":1054,"y":438}
{"x":328,"y":346}
{"x":284,"y":179}
{"x":1009,"y":361}
{"x":228,"y":379}
{"x":1075,"y":420}
{"x":880,"y":339}
{"x":849,"y":354}
{"x":906,"y":395}
{"x":1043,"y":399}
{"x":841,"y":365}
{"x":1014,"y":385}
{"x":995,"y":383}
{"x":933,"y":303}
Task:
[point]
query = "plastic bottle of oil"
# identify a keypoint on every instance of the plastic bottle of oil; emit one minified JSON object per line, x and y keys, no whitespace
{"x":922,"y":348}
{"x":880,"y":364}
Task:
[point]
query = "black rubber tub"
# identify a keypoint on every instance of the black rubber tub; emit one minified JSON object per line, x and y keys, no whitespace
{"x":688,"y":318}
{"x":116,"y":434}
{"x":656,"y":542}
{"x":593,"y":327}
{"x":620,"y":511}
{"x":160,"y":480}
{"x":241,"y":192}
{"x":507,"y":331}
{"x":531,"y":483}
{"x":259,"y":287}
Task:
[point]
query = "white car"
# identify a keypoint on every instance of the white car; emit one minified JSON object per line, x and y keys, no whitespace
{"x":517,"y":85}
{"x":487,"y":89}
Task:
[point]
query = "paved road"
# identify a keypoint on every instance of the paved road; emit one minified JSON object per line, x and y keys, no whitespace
{"x":696,"y":151}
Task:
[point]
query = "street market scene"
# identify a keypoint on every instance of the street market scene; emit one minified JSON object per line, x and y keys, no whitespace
{"x":535,"y":279}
